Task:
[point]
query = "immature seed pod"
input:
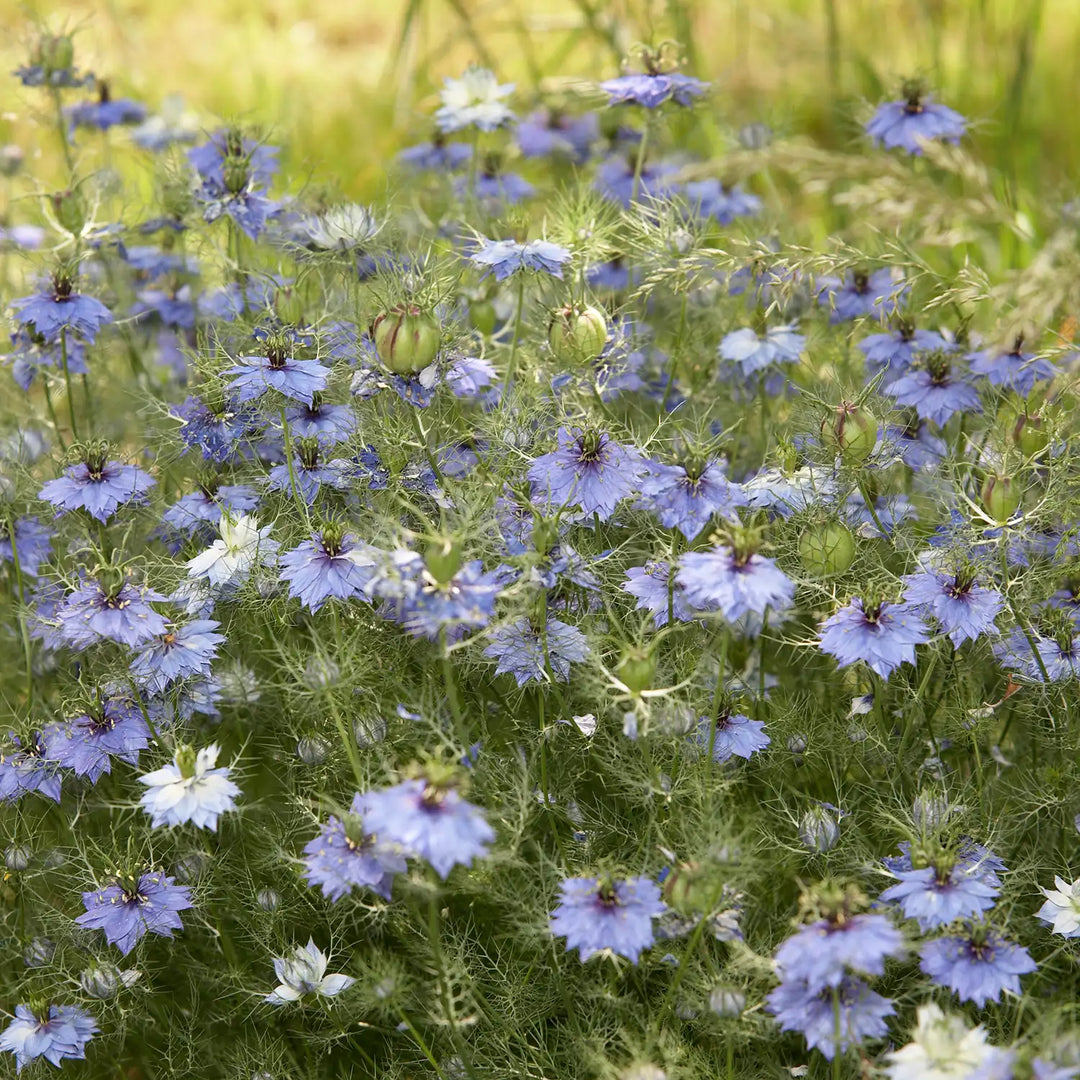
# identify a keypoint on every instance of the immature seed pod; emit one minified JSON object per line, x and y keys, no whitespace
{"x":70,"y":210}
{"x":1000,"y":496}
{"x":637,"y":669}
{"x":852,"y":433}
{"x":577,"y":335}
{"x":826,"y":549}
{"x":57,"y":53}
{"x":1028,"y":432}
{"x":483,"y":316}
{"x":819,"y":829}
{"x":406,"y":338}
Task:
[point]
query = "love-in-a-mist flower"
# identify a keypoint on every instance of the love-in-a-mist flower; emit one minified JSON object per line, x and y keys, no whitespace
{"x":438,"y":155}
{"x":754,"y":350}
{"x":27,"y":542}
{"x":25,"y":767}
{"x":896,"y":351}
{"x":280,"y":370}
{"x":345,"y":855}
{"x":135,"y":905}
{"x":105,"y":112}
{"x":861,"y":292}
{"x":914,"y":120}
{"x":950,"y":888}
{"x":429,"y":819}
{"x":1011,"y":369}
{"x":654,"y":86}
{"x":589,"y":469}
{"x":189,"y":789}
{"x":96,"y":485}
{"x":735,"y":581}
{"x":1061,"y":912}
{"x":110,"y":607}
{"x":243,"y":547}
{"x":504,"y":258}
{"x":552,"y":133}
{"x":654,"y":590}
{"x":977,"y":966}
{"x":934,"y":390}
{"x":310,"y":472}
{"x":712,"y":199}
{"x":730,"y":735}
{"x":54,"y":1032}
{"x":529,"y":652}
{"x":183,"y":651}
{"x":943,"y":1047}
{"x":603,"y":914}
{"x":333,"y":564}
{"x":686,"y":496}
{"x":58,"y":309}
{"x":475,"y":100}
{"x":305,"y":973}
{"x":111,"y":727}
{"x":883,"y":635}
{"x":964,"y":608}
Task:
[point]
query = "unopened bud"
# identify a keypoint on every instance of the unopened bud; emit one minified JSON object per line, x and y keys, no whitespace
{"x":852,"y":432}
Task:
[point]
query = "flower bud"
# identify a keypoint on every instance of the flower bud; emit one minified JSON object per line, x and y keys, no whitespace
{"x":577,"y":335}
{"x":930,"y":810}
{"x":1000,"y":496}
{"x":637,"y":668}
{"x":17,"y":857}
{"x":70,"y":210}
{"x":38,"y":952}
{"x":101,"y":982}
{"x":57,"y":53}
{"x":442,"y":559}
{"x":1028,"y":432}
{"x":826,"y":549}
{"x":406,"y":339}
{"x":483,"y":316}
{"x":368,"y":730}
{"x":268,"y":899}
{"x":797,"y":745}
{"x":727,"y":1001}
{"x":819,"y":829}
{"x":852,"y":433}
{"x":312,"y":750}
{"x":320,"y":673}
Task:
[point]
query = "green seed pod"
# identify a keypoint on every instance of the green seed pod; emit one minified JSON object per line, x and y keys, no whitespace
{"x":57,"y":53}
{"x":443,"y":559}
{"x":1028,"y":432}
{"x":406,"y":339}
{"x":826,"y":549}
{"x":483,"y":316}
{"x":70,"y":210}
{"x":637,"y":668}
{"x":853,"y":432}
{"x":1000,"y":496}
{"x":577,"y":335}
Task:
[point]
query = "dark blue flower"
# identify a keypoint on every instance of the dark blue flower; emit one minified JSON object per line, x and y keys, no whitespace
{"x":429,"y":821}
{"x":861,"y":293}
{"x":685,"y":497}
{"x":216,"y":432}
{"x":333,"y":564}
{"x":710,"y":199}
{"x":651,"y":89}
{"x":463,"y":602}
{"x":1011,"y":369}
{"x":934,"y":391}
{"x":897,"y":350}
{"x":98,"y":487}
{"x":29,"y":541}
{"x":299,"y":380}
{"x":113,"y":728}
{"x":731,"y":735}
{"x":936,"y":895}
{"x":527,"y":653}
{"x":27,"y":769}
{"x":106,"y":112}
{"x":734,"y":583}
{"x":310,"y":473}
{"x":506,"y":257}
{"x":133,"y":906}
{"x":344,"y":855}
{"x":599,"y":914}
{"x":249,"y":207}
{"x":550,"y":133}
{"x":320,"y":420}
{"x":822,"y":953}
{"x":118,"y":611}
{"x":964,"y":608}
{"x":650,"y":584}
{"x":183,"y":651}
{"x":59,"y":310}
{"x":976,"y":966}
{"x":588,"y":469}
{"x":914,"y":120}
{"x":883,"y":635}
{"x":55,"y":1033}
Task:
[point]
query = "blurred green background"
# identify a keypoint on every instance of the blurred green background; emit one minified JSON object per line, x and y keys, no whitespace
{"x":345,"y":83}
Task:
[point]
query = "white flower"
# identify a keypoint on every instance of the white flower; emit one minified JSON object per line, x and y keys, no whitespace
{"x":474,"y":100}
{"x":190,"y":789}
{"x":945,"y":1048}
{"x":305,"y":973}
{"x":341,"y":227}
{"x":242,"y":547}
{"x":1062,"y":907}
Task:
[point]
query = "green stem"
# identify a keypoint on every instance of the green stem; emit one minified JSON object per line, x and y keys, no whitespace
{"x":297,"y":496}
{"x":517,"y":334}
{"x":67,"y":383}
{"x":27,"y":652}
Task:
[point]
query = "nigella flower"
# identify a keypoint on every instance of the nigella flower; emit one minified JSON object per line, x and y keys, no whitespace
{"x":190,"y":789}
{"x":711,"y":199}
{"x":463,"y":601}
{"x":755,"y":350}
{"x":112,"y":609}
{"x":106,"y":112}
{"x":944,"y":1048}
{"x":183,"y":651}
{"x":135,"y":905}
{"x":113,"y":727}
{"x":597,"y":915}
{"x":685,"y":497}
{"x":54,"y":1032}
{"x":298,"y":380}
{"x":171,"y":126}
{"x":831,"y":1019}
{"x":883,"y":635}
{"x":173,"y":306}
{"x":588,"y":469}
{"x":215,"y":431}
{"x":934,"y":391}
{"x":245,"y":204}
{"x":896,"y":351}
{"x":822,"y":953}
{"x":341,"y":228}
{"x":27,"y":768}
{"x":786,"y":493}
{"x":936,"y":895}
{"x":651,"y":584}
{"x":494,"y":186}
{"x":437,"y":155}
{"x":733,"y":582}
{"x":731,"y":735}
{"x":976,"y":966}
{"x":617,"y":177}
{"x":210,"y":159}
{"x":653,"y":87}
{"x":506,"y":257}
{"x":305,"y":973}
{"x":964,"y":608}
{"x":333,"y":564}
{"x":916,"y":445}
{"x":430,"y":821}
{"x":205,"y":507}
{"x":32,"y":353}
{"x":345,"y":855}
{"x":1013,"y":369}
{"x":243,"y":547}
{"x":527,"y":653}
{"x":861,"y":293}
{"x":60,"y":310}
{"x":27,"y":543}
{"x":320,"y":420}
{"x":551,"y":133}
{"x":1062,"y":908}
{"x":474,"y":100}
{"x":310,"y":473}
{"x":97,"y":486}
{"x":916,"y":119}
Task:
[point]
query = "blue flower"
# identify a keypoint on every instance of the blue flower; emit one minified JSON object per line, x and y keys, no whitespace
{"x":734,"y":583}
{"x":883,"y":636}
{"x":822,"y":953}
{"x":465,"y":601}
{"x":1012,"y":370}
{"x":812,"y":1012}
{"x":203,"y":508}
{"x":310,"y":473}
{"x":977,"y":966}
{"x":589,"y":470}
{"x":27,"y":540}
{"x":650,"y":584}
{"x":106,"y":112}
{"x":934,"y":896}
{"x":1060,"y":657}
{"x":436,"y":156}
{"x":506,"y":257}
{"x":113,"y":728}
{"x":59,"y":310}
{"x":754,"y":351}
{"x":732,"y":735}
{"x":32,"y":353}
{"x":216,"y":432}
{"x":550,"y":133}
{"x":98,"y":487}
{"x":651,"y":89}
{"x":896,"y":351}
{"x":964,"y":608}
{"x":495,"y":187}
{"x":685,"y":497}
{"x":343,"y":856}
{"x":231,"y":301}
{"x":58,"y":1033}
{"x":914,"y":120}
{"x":430,"y":822}
{"x":299,"y":380}
{"x":598,"y":914}
{"x":134,"y":906}
{"x":173,"y":306}
{"x":916,"y":445}
{"x":210,"y":158}
{"x":248,"y":207}
{"x":474,"y":100}
{"x":934,"y":391}
{"x":861,"y":293}
{"x":615,"y":180}
{"x":93,"y":612}
{"x":183,"y":651}
{"x":320,"y":420}
{"x":333,"y":564}
{"x":27,"y":769}
{"x":189,"y":789}
{"x":710,"y":199}
{"x":527,"y":653}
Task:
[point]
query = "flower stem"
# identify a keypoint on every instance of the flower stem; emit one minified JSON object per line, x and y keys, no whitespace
{"x":517,"y":334}
{"x":67,"y":383}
